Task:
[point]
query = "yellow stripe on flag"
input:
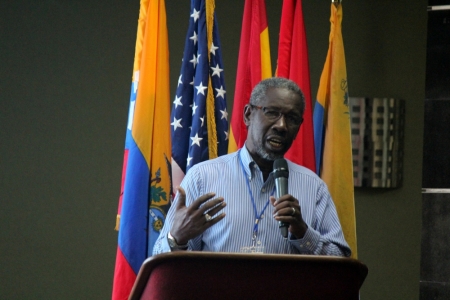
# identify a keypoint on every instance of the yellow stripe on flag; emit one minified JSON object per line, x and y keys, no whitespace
{"x":266,"y":65}
{"x":151,"y":130}
{"x":210,"y":107}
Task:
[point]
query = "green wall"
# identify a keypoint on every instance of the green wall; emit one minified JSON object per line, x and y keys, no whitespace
{"x":65,"y":77}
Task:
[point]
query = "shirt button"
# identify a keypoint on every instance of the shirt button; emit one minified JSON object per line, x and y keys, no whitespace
{"x":308,"y":243}
{"x":262,"y":217}
{"x":301,"y":245}
{"x":263,"y":190}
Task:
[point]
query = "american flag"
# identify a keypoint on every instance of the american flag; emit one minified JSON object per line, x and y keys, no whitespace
{"x":199,"y":130}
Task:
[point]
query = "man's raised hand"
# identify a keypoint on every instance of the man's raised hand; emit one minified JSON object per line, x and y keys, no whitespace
{"x":192,"y":221}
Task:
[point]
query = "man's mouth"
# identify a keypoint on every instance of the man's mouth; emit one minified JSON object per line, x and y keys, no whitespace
{"x":275,"y":143}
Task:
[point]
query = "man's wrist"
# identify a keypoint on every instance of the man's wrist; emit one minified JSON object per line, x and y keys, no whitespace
{"x":173,"y":243}
{"x":300,"y":234}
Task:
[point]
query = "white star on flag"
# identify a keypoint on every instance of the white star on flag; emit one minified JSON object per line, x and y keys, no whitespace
{"x":194,"y":61}
{"x":213,"y":49}
{"x":203,"y":120}
{"x":195,"y":15}
{"x":216,"y":70}
{"x":224,"y":114}
{"x":194,"y":37}
{"x":201,"y":89}
{"x":194,"y":108}
{"x":188,"y":161}
{"x":196,"y":140}
{"x":177,"y":101}
{"x":220,"y":92}
{"x":179,"y":80}
{"x":226,"y":135}
{"x":176,"y":123}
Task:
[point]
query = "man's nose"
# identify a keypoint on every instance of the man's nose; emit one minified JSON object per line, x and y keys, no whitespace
{"x":280,"y":124}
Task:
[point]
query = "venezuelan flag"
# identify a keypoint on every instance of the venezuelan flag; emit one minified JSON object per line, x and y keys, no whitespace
{"x":146,"y":169}
{"x":332,"y":127}
{"x":253,"y":66}
{"x":293,"y":64}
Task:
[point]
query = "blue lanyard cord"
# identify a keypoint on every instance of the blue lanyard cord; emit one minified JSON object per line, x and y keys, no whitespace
{"x":257,"y":216}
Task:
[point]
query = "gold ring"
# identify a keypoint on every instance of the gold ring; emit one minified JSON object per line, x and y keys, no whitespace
{"x":293,"y":211}
{"x":208,"y":217}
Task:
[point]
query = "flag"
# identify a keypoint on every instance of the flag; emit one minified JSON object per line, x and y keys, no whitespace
{"x":253,"y":66}
{"x":146,"y":169}
{"x":293,"y":64}
{"x":199,"y":119}
{"x":332,"y":134}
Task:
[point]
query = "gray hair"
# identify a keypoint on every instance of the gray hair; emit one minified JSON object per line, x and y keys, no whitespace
{"x":260,"y":90}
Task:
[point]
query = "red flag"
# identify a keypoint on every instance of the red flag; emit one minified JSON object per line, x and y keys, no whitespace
{"x":253,"y":66}
{"x":293,"y":64}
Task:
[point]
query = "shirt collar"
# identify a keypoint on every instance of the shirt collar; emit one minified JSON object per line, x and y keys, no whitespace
{"x":250,"y":166}
{"x":247,"y":161}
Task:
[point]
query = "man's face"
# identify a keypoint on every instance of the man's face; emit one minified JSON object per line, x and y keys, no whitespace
{"x":270,"y":138}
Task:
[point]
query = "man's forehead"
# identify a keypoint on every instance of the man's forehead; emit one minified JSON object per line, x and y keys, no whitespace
{"x":279,"y":92}
{"x":279,"y":97}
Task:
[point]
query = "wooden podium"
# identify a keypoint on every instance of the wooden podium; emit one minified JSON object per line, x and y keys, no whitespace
{"x":207,"y":275}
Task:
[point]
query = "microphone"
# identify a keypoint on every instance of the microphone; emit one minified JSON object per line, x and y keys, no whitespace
{"x":281,"y":174}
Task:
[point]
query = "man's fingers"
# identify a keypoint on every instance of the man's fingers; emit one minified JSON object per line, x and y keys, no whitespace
{"x":181,"y":198}
{"x":272,"y":200}
{"x":216,"y":209}
{"x":198,"y":202}
{"x":214,"y":220}
{"x":282,"y":199}
{"x":210,"y":204}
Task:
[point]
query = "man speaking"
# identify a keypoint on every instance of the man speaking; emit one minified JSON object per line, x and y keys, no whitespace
{"x":240,"y":202}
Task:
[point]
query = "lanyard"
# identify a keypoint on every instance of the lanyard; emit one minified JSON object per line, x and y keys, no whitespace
{"x":257,"y":216}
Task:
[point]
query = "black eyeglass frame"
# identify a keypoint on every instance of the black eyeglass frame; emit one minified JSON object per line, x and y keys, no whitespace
{"x":274,"y":115}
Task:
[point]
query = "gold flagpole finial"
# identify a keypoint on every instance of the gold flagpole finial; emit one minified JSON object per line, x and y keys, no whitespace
{"x":336,"y":2}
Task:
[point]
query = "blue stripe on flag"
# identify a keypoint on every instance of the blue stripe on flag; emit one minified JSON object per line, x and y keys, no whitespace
{"x":319,"y":133}
{"x":133,"y":222}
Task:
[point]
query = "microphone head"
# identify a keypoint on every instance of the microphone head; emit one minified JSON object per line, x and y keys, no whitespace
{"x":280,"y":168}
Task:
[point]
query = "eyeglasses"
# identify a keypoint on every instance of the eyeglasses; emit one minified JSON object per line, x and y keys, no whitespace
{"x":274,"y":115}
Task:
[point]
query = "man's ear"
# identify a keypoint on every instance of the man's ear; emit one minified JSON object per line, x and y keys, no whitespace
{"x":247,"y":112}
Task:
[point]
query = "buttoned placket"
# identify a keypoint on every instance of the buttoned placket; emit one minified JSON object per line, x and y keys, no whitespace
{"x":263,"y":191}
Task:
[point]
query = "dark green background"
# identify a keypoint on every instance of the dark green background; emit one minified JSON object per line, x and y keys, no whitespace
{"x":65,"y":77}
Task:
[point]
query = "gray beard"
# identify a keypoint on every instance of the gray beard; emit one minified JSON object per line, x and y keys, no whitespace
{"x":267,"y":156}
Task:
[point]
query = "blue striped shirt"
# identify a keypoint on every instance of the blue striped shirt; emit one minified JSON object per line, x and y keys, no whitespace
{"x":225,"y":177}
